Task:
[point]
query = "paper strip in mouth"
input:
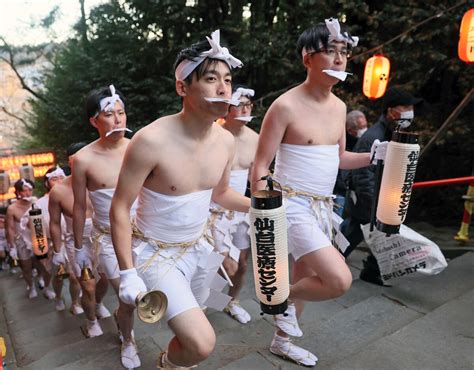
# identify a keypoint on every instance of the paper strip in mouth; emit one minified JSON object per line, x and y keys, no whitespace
{"x":221,"y":100}
{"x":340,"y":75}
{"x":117,"y":130}
{"x":245,"y":118}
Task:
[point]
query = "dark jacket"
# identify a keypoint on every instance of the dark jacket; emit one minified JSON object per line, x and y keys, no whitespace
{"x":362,"y":180}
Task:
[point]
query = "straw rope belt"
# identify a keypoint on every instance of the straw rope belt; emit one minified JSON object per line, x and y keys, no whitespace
{"x":159,"y":245}
{"x":316,"y":200}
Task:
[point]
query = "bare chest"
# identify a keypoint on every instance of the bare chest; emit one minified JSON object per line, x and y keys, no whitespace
{"x":103,"y":172}
{"x":314,"y":127}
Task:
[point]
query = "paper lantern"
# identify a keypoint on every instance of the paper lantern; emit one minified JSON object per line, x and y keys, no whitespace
{"x":38,"y":233}
{"x":27,"y":172}
{"x":466,"y":38}
{"x":4,"y":182}
{"x":377,"y":70}
{"x":270,"y":251}
{"x":397,"y":181}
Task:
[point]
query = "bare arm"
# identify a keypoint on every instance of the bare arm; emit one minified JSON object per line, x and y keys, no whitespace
{"x":79,"y":188}
{"x":136,"y":167}
{"x":55,"y":220}
{"x":271,"y":135}
{"x":224,"y":194}
{"x":9,"y":227}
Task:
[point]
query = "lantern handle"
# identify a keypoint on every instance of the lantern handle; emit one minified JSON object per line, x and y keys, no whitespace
{"x":270,"y":182}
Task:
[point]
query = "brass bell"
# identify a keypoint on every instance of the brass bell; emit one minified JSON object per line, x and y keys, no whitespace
{"x":86,"y":274}
{"x":62,"y":274}
{"x":15,"y":262}
{"x":151,"y":306}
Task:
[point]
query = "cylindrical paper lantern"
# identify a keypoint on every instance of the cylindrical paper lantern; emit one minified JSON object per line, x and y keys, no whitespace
{"x":376,"y":73}
{"x":38,"y":234}
{"x":4,"y":182}
{"x":270,"y":251}
{"x":397,"y":181}
{"x":27,"y":172}
{"x":466,"y":38}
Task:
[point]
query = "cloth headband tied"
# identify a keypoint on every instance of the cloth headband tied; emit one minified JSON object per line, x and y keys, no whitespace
{"x":108,"y":103}
{"x":58,"y":172}
{"x":186,"y":67}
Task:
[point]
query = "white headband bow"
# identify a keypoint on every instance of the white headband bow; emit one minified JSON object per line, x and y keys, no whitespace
{"x":186,"y":67}
{"x":108,"y":103}
{"x":335,"y":33}
{"x":56,"y":173}
{"x":25,"y":184}
{"x":242,"y":92}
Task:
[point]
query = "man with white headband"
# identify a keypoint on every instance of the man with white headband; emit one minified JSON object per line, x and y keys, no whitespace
{"x":175,"y":165}
{"x":230,"y":229}
{"x":61,"y":200}
{"x":52,"y":177}
{"x":18,"y":232}
{"x":95,"y":171}
{"x":305,"y":128}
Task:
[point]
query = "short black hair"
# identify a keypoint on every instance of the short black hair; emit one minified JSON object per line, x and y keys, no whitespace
{"x":20,"y":183}
{"x":317,"y":38}
{"x":95,"y":96}
{"x":74,"y":148}
{"x":193,"y":52}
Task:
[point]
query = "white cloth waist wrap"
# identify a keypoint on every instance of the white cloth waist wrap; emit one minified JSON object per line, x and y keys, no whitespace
{"x":172,"y":218}
{"x":23,"y":233}
{"x":311,"y":168}
{"x":69,"y":233}
{"x":101,"y":200}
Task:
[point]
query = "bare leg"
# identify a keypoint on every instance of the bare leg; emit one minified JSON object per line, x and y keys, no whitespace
{"x":124,"y":313}
{"x":101,"y":288}
{"x":27,"y":270}
{"x":192,"y":343}
{"x":333,"y":277}
{"x":57,"y":286}
{"x":238,"y":278}
{"x":88,"y":298}
{"x":74,"y":289}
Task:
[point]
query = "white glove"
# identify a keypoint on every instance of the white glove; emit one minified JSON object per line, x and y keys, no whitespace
{"x":13,"y":253}
{"x":82,"y":257}
{"x":130,"y":286}
{"x":58,"y":259}
{"x":378,"y":151}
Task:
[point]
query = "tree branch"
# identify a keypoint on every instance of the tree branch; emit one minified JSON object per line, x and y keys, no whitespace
{"x":11,"y":63}
{"x":8,"y":113}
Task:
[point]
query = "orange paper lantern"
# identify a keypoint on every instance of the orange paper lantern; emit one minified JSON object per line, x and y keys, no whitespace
{"x":377,"y":70}
{"x":466,"y":38}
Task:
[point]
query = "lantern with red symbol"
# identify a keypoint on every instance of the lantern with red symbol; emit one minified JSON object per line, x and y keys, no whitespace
{"x":376,"y":73}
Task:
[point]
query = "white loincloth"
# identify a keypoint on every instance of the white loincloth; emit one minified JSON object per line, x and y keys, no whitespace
{"x":23,"y":241}
{"x":312,"y":169}
{"x":101,"y":200}
{"x":230,"y":229}
{"x":68,"y":235}
{"x":187,"y":275}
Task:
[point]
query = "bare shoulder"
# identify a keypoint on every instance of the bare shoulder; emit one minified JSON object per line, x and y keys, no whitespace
{"x":340,"y":105}
{"x":223,"y":135}
{"x":251,"y":135}
{"x":155,"y":133}
{"x":84,"y":155}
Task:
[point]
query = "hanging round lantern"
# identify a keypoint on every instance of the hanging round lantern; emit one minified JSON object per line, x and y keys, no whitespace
{"x":38,"y":233}
{"x":27,"y":172}
{"x":376,"y":73}
{"x":270,"y":250}
{"x":4,"y":182}
{"x":397,"y":181}
{"x":466,"y":38}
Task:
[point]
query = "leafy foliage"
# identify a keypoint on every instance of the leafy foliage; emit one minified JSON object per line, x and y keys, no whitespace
{"x":133,"y":44}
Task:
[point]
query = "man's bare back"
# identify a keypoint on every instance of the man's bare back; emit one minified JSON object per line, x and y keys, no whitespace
{"x":63,"y":197}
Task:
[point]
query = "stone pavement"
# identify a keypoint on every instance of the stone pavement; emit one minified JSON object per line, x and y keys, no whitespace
{"x":425,"y":324}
